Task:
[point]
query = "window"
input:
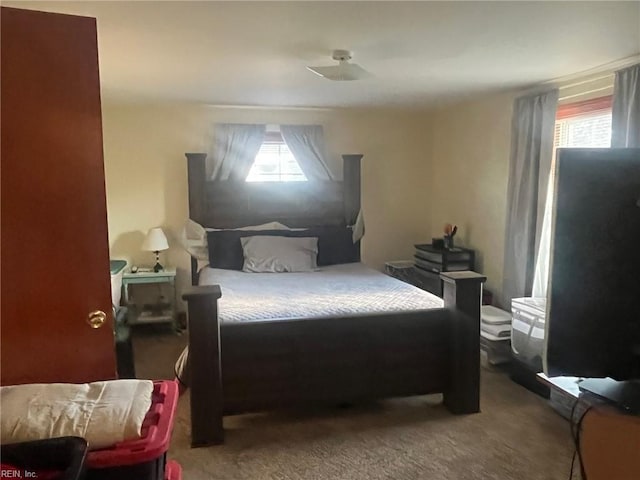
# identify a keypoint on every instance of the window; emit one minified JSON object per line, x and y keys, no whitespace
{"x":584,"y":124}
{"x":275,"y":162}
{"x":578,"y":125}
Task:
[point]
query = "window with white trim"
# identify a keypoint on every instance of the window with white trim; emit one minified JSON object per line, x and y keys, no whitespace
{"x":578,"y":125}
{"x":584,"y":124}
{"x":275,"y":162}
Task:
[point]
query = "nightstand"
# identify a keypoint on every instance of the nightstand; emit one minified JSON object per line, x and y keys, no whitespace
{"x":124,"y":345}
{"x":400,"y":269}
{"x":427,"y":265}
{"x":161,"y":311}
{"x":406,"y":271}
{"x":430,"y":262}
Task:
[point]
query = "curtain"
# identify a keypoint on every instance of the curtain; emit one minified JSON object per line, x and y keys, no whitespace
{"x":543,"y":259}
{"x":306,"y":142}
{"x":625,"y":121}
{"x":532,"y":130}
{"x":235,"y":148}
{"x":358,"y":227}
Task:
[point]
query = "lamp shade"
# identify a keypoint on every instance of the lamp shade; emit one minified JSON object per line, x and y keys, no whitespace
{"x":155,"y":241}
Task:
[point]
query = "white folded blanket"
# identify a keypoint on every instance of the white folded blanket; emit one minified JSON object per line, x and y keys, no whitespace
{"x":103,"y":413}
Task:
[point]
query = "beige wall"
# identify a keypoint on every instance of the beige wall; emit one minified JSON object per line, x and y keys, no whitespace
{"x":470,"y":152}
{"x":420,"y":171}
{"x":144,"y":148}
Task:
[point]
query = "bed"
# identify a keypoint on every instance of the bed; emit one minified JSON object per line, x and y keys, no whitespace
{"x":341,"y":334}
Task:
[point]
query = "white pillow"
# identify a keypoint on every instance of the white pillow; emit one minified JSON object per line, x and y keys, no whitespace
{"x":193,"y":237}
{"x":279,"y":254}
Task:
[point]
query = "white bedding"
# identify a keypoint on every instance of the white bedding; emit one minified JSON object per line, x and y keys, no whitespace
{"x":348,"y":289}
{"x":104,"y":413}
{"x":337,"y":290}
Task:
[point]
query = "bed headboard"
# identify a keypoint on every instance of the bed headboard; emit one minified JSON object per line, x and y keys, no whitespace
{"x":229,"y":204}
{"x":232,"y":204}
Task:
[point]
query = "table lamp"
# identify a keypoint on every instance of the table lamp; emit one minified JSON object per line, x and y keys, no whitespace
{"x":156,"y":241}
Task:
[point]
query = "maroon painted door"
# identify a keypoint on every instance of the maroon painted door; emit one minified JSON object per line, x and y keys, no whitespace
{"x":54,"y":243}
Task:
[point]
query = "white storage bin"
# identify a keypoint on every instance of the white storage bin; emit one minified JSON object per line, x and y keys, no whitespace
{"x":494,"y":352}
{"x":527,"y":330}
{"x":495,"y":331}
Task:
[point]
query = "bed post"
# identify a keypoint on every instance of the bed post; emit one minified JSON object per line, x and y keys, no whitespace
{"x":351,"y":179}
{"x":194,"y":271}
{"x":197,"y":181}
{"x":197,"y":178}
{"x":462,"y":292}
{"x":205,"y":365}
{"x":351,"y":191}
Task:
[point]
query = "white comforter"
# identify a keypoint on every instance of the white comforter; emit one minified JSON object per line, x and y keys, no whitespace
{"x":103,"y":413}
{"x":337,"y":290}
{"x":333,"y":291}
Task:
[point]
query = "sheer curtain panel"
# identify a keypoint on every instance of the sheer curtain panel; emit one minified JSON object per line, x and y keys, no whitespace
{"x":306,"y":142}
{"x":625,"y":125}
{"x":532,"y":131}
{"x":235,"y":147}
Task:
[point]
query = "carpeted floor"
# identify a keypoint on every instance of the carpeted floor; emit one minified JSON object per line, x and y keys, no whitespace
{"x":517,"y":435}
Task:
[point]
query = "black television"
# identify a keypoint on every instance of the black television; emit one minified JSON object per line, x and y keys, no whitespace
{"x":593,"y":299}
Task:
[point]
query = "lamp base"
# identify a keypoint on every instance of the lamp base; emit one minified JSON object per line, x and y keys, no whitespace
{"x":157,"y":267}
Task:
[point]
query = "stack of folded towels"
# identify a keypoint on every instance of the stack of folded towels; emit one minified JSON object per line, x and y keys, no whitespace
{"x":495,"y":335}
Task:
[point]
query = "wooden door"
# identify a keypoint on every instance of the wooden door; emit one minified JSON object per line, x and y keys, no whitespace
{"x":55,"y":259}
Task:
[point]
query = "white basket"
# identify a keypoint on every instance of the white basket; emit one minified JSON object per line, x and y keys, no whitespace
{"x":527,"y":330}
{"x":564,"y":404}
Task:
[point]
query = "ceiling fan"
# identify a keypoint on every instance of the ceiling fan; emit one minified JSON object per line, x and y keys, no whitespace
{"x":344,"y":70}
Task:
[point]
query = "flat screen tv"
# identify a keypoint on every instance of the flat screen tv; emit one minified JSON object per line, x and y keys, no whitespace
{"x":593,"y":308}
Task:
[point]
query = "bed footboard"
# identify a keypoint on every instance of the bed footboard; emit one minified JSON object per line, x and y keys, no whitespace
{"x":205,"y":365}
{"x":271,"y":364}
{"x":462,"y":294}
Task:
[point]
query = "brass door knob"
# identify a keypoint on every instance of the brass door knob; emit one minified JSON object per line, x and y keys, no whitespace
{"x":96,"y":319}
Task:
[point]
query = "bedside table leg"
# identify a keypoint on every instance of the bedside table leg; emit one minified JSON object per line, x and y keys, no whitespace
{"x":174,"y":305}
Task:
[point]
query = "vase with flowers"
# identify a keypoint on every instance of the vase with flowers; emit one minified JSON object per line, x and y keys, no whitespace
{"x":449,"y":233}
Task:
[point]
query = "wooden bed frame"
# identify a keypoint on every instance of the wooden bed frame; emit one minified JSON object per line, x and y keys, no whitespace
{"x":262,"y":365}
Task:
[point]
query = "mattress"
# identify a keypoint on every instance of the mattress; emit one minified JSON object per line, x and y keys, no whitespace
{"x":337,"y":290}
{"x":333,"y":291}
